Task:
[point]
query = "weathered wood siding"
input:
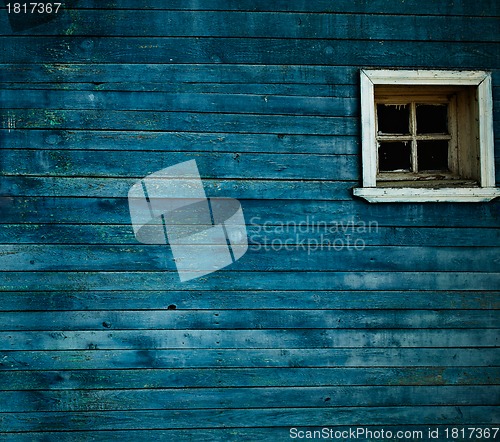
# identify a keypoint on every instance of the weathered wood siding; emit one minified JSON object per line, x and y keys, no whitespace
{"x":100,"y":341}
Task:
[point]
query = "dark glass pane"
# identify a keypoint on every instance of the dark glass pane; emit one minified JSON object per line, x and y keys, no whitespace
{"x":432,"y":119}
{"x":394,"y":156}
{"x":432,"y":155}
{"x":393,"y":119}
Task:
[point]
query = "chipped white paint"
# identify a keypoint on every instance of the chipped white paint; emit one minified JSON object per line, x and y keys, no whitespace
{"x":422,"y":195}
{"x":486,"y":180}
{"x":11,"y":122}
{"x":425,"y":77}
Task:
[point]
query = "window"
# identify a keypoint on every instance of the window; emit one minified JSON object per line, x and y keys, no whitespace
{"x":427,"y":136}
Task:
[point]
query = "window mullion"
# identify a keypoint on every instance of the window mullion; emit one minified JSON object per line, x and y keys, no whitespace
{"x":413,"y":131}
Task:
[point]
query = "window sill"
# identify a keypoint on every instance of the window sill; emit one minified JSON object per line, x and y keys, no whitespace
{"x":425,"y":194}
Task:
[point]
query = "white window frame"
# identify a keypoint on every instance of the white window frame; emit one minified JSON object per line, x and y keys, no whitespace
{"x":485,"y":191}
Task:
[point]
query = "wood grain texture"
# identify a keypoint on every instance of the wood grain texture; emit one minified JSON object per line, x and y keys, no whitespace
{"x":243,"y":24}
{"x":67,"y":380}
{"x":259,"y":233}
{"x":40,"y":210}
{"x":247,"y":339}
{"x":239,"y":188}
{"x":243,"y":320}
{"x":144,"y":359}
{"x":107,"y":140}
{"x":182,"y":102}
{"x":99,"y":339}
{"x":432,"y":54}
{"x":71,"y":163}
{"x":284,"y":417}
{"x":248,"y":398}
{"x":178,"y":75}
{"x":336,"y":255}
{"x":180,"y":122}
{"x":250,"y":280}
{"x":201,"y":300}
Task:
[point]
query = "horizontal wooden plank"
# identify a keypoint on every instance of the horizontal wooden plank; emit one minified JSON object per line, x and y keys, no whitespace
{"x":248,"y":319}
{"x":71,"y":163}
{"x":174,"y":75}
{"x":240,"y":189}
{"x":245,"y":377}
{"x":251,"y":280}
{"x":267,"y":300}
{"x":51,"y":139}
{"x":259,"y":233}
{"x":60,"y":210}
{"x":145,"y":340}
{"x":320,"y":253}
{"x":237,"y":103}
{"x":116,"y":22}
{"x":285,"y":417}
{"x":449,"y":7}
{"x":179,"y":122}
{"x":249,"y":398}
{"x":367,"y":357}
{"x":227,"y":89}
{"x":69,"y":49}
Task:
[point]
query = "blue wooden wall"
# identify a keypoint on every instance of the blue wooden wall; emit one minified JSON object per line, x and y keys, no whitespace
{"x":99,"y":340}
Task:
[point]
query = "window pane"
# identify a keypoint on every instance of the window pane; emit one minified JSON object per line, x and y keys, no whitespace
{"x":393,"y":119}
{"x":395,"y":156}
{"x":432,"y":119}
{"x":432,"y":155}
